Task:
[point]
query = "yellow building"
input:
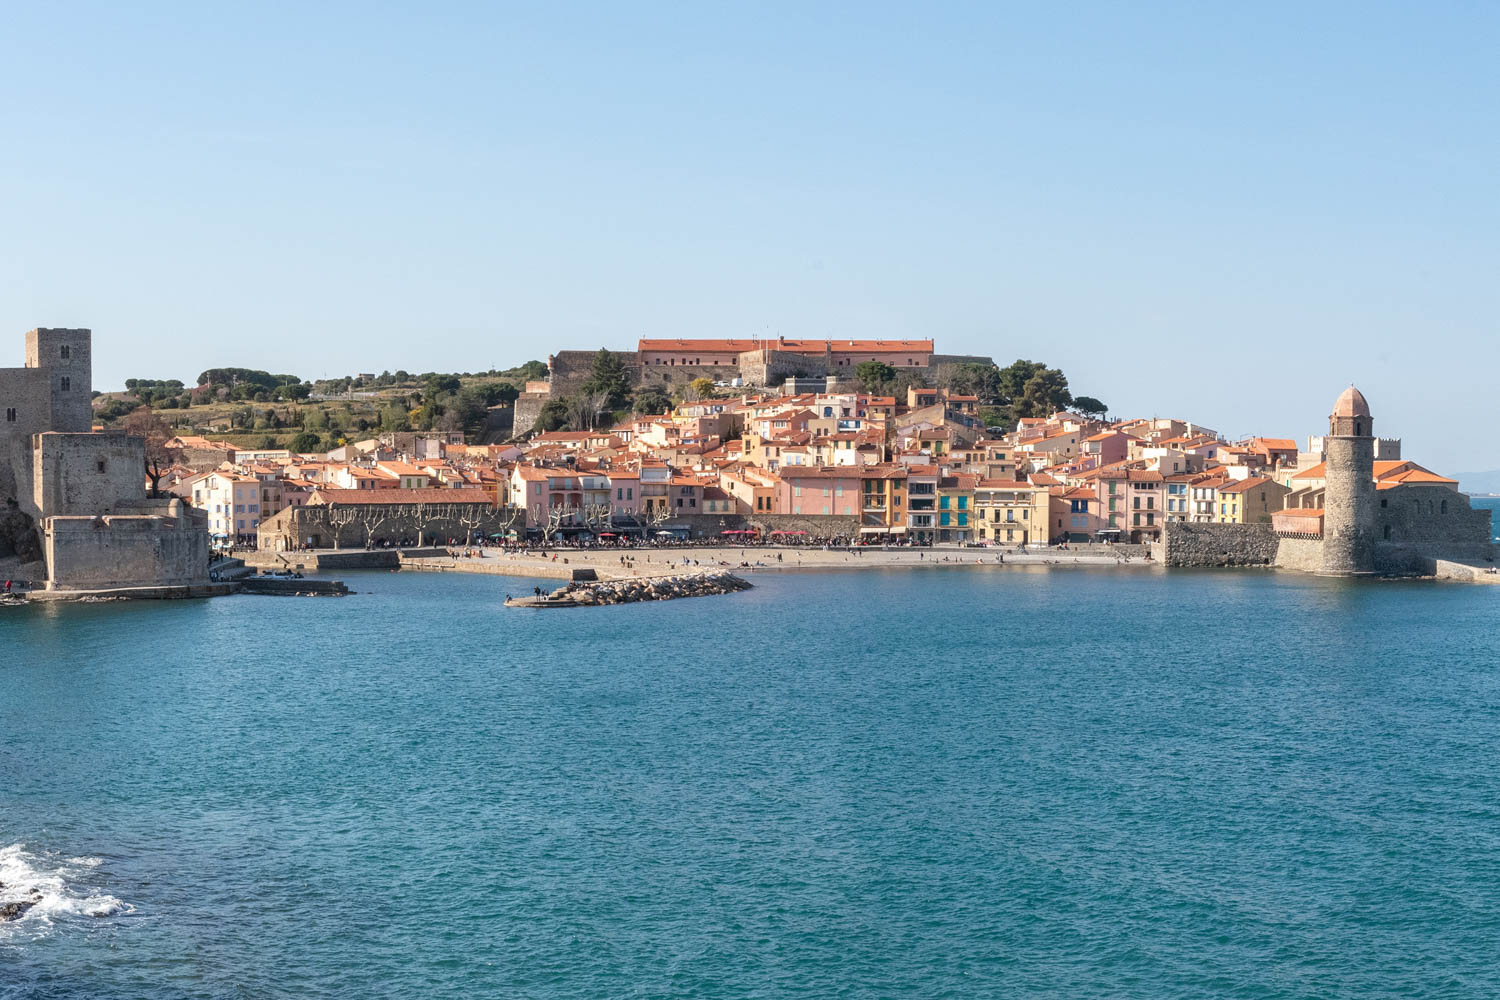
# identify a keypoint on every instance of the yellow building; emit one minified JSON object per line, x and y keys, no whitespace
{"x":1249,"y":501}
{"x":1011,"y":513}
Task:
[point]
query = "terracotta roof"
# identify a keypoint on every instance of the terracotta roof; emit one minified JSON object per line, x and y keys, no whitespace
{"x":790,"y":346}
{"x":437,"y":495}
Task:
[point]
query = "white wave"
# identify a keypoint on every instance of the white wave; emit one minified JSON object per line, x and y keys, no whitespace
{"x":52,"y":886}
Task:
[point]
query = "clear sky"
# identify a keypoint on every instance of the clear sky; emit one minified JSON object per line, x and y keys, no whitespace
{"x":1223,"y":212}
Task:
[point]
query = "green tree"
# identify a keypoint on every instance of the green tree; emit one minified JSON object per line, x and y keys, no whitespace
{"x":702,"y":386}
{"x":553,"y":416}
{"x":394,"y":418}
{"x":305,"y":441}
{"x":533,"y":370}
{"x":877,"y":377}
{"x":1031,"y":389}
{"x":609,"y":378}
{"x":651,"y":401}
{"x":972,"y":378}
{"x":1044,"y":394}
{"x":1013,"y":378}
{"x":1090,"y":407}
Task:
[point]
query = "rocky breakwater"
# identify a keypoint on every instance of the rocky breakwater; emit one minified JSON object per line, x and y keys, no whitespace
{"x":627,"y":591}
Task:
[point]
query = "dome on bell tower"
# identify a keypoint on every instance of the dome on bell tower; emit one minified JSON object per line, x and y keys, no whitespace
{"x":1351,"y":403}
{"x":1351,"y":415}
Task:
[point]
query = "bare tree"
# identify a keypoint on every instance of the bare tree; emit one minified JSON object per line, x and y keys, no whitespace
{"x":143,"y":423}
{"x":599,"y":516}
{"x":471,"y":518}
{"x":372,"y":519}
{"x":340,"y":518}
{"x":658,"y":514}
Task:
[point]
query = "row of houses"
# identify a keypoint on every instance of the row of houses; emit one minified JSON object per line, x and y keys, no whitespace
{"x":925,"y":468}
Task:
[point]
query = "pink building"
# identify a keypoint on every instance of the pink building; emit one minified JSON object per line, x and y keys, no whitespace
{"x":1132,"y":501}
{"x":819,"y":491}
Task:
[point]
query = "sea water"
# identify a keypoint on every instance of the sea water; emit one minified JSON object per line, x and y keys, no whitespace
{"x":927,"y":783}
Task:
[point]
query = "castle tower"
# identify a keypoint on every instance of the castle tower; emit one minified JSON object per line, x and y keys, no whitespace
{"x":1349,"y":497}
{"x":68,"y":355}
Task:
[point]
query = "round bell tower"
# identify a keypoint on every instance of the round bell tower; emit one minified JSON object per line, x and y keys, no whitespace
{"x":1349,"y":494}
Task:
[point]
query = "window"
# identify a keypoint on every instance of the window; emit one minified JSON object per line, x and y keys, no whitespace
{"x":10,"y":415}
{"x":100,"y":465}
{"x":67,"y":384}
{"x":65,"y":352}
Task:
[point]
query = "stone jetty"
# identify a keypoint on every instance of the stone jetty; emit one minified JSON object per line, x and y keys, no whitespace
{"x":578,"y":594}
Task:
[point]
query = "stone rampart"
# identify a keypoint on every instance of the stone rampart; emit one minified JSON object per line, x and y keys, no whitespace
{"x":1186,"y":544}
{"x":130,"y":550}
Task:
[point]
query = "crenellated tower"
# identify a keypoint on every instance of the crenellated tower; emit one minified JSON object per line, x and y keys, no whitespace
{"x":1349,"y":503}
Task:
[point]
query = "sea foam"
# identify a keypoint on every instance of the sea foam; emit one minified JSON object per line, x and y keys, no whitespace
{"x":55,"y":888}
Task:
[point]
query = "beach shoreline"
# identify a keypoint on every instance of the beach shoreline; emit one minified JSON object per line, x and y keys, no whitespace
{"x":614,"y":564}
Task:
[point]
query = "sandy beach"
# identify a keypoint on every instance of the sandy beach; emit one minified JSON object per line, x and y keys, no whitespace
{"x":618,"y":564}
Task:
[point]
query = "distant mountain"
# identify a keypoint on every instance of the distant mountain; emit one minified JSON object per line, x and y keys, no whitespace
{"x":1479,"y":482}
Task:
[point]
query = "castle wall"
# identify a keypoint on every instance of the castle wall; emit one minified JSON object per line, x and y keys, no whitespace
{"x":768,"y":367}
{"x":528,"y":408}
{"x":87,"y":474}
{"x":571,"y":369}
{"x":1416,"y":525}
{"x":131,"y":550}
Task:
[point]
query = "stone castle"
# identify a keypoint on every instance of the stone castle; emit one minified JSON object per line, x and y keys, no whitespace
{"x":75,"y":511}
{"x":1353,"y":526}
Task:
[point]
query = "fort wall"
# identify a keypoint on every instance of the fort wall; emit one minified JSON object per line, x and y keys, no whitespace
{"x":127,"y":550}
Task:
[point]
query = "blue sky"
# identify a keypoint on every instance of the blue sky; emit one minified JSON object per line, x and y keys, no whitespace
{"x":1224,"y":213}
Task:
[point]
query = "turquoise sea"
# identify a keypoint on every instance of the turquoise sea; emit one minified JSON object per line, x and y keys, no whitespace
{"x":944,"y":783}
